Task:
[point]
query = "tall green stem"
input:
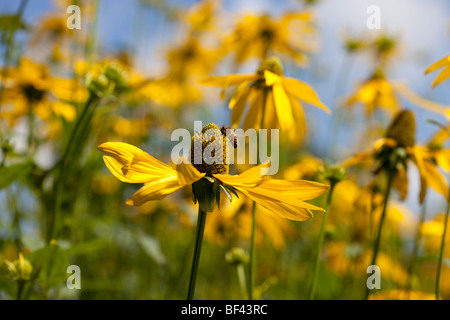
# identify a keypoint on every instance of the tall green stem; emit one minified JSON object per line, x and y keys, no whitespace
{"x":90,"y":104}
{"x":320,"y":242}
{"x":441,"y":253}
{"x":252,"y":243}
{"x":376,"y":247}
{"x":197,"y":250}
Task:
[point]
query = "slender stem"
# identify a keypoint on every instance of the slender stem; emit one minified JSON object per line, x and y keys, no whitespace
{"x":252,"y":243}
{"x":320,"y":242}
{"x":91,"y":103}
{"x":415,"y":251}
{"x":252,"y":255}
{"x":20,"y":287}
{"x":380,"y":226}
{"x":441,"y":253}
{"x":241,"y":277}
{"x":197,"y":250}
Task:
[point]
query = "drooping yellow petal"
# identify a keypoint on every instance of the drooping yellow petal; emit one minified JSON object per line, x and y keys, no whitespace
{"x":283,"y":107}
{"x":187,"y":174}
{"x":237,"y":104}
{"x":249,"y":178}
{"x":130,"y":164}
{"x":303,"y":92}
{"x":445,"y":74}
{"x":155,"y":190}
{"x":438,"y":64}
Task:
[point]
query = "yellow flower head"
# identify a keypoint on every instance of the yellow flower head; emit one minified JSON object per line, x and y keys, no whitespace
{"x":273,"y":99}
{"x":261,"y":36}
{"x":284,"y":198}
{"x":395,"y":151}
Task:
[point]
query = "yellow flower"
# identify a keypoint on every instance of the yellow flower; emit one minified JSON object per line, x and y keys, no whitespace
{"x":30,"y":87}
{"x":201,"y":15}
{"x":20,"y":269}
{"x":271,"y":97}
{"x":351,"y":259}
{"x":261,"y":36}
{"x":284,"y":198}
{"x":380,"y":92}
{"x":445,"y":73}
{"x":399,"y":145}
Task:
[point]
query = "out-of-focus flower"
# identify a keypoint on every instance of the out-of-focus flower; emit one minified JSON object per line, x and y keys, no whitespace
{"x":432,"y":231}
{"x":261,"y":36}
{"x":185,"y":64}
{"x":306,"y":168}
{"x":272,"y":97}
{"x":351,"y":259}
{"x":233,"y":223}
{"x":444,"y":74}
{"x":380,"y":92}
{"x":52,"y":30}
{"x":30,"y":88}
{"x":132,"y":165}
{"x":395,"y":150}
{"x":201,"y":16}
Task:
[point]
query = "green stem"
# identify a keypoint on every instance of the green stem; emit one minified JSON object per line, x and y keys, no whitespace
{"x":252,"y":243}
{"x":20,"y":287}
{"x":90,"y":104}
{"x":441,"y":253}
{"x":241,"y":277}
{"x":252,"y":255}
{"x":197,"y":250}
{"x":320,"y":242}
{"x":380,"y":226}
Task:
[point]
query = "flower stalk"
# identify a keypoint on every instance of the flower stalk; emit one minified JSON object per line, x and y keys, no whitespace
{"x":376,"y":247}
{"x":321,"y":241}
{"x":197,"y":250}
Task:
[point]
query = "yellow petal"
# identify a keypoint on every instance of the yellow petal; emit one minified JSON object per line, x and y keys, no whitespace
{"x":155,"y":190}
{"x":187,"y":174}
{"x":283,"y":107}
{"x":130,"y":164}
{"x":445,"y":74}
{"x":238,"y":105}
{"x":438,"y":64}
{"x":303,"y":92}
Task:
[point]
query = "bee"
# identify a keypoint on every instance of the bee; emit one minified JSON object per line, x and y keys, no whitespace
{"x":232,"y":135}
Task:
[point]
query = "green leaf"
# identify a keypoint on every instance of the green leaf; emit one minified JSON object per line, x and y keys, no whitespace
{"x":52,"y":263}
{"x":13,"y":172}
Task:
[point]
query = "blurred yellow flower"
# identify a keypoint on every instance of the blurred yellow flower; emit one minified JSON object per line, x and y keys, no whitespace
{"x":380,"y":92}
{"x":351,"y":259}
{"x":261,"y":36}
{"x":399,"y":141}
{"x":30,"y":88}
{"x":445,"y":73}
{"x":273,"y":99}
